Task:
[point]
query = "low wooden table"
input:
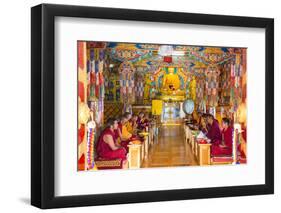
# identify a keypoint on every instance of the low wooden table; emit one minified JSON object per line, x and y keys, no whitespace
{"x":201,"y":151}
{"x":145,"y":137}
{"x":204,"y":154}
{"x":135,"y":156}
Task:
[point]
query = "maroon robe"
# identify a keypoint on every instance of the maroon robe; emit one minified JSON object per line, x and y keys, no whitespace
{"x":116,"y":130}
{"x":217,"y":150}
{"x":105,"y":151}
{"x":139,"y":122}
{"x":142,"y":123}
{"x":214,"y":132}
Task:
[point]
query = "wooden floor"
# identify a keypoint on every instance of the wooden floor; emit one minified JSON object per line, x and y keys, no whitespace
{"x":170,"y":150}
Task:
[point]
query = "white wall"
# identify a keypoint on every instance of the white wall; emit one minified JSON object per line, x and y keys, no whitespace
{"x":15,"y":104}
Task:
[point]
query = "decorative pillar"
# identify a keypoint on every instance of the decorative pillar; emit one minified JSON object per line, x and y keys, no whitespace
{"x":212,"y":84}
{"x":236,"y":136}
{"x":83,"y":110}
{"x":126,"y":71}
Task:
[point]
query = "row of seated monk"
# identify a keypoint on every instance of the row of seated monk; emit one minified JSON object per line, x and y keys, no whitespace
{"x":119,"y":133}
{"x":221,"y":137}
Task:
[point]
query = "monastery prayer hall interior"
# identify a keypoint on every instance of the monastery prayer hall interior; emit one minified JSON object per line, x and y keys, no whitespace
{"x":160,"y":105}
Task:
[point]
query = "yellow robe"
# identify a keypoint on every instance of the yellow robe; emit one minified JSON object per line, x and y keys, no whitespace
{"x":125,"y":133}
{"x":129,"y":127}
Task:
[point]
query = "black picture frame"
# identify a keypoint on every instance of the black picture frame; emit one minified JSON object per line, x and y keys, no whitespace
{"x":43,"y":102}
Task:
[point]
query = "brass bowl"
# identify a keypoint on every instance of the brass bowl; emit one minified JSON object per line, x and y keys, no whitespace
{"x":142,"y":134}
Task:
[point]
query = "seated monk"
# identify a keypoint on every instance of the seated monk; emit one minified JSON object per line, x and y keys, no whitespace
{"x":140,"y":120}
{"x":225,"y":147}
{"x":143,"y":121}
{"x":213,"y":133}
{"x":202,"y":125}
{"x":195,"y":117}
{"x":198,"y":118}
{"x":134,"y":123}
{"x":106,"y":146}
{"x":146,"y":121}
{"x":124,"y":135}
{"x":129,"y":123}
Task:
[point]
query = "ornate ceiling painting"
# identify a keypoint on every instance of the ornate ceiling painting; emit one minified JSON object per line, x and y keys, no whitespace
{"x":191,"y":60}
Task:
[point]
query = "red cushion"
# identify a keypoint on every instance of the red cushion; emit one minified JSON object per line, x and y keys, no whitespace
{"x":222,"y":159}
{"x":103,"y":163}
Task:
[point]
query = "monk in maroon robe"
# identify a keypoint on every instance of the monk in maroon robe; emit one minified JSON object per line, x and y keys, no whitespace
{"x":213,"y":130}
{"x":202,"y":124}
{"x":225,"y":147}
{"x":142,"y":121}
{"x":122,"y":133}
{"x":106,"y":146}
{"x":134,"y":123}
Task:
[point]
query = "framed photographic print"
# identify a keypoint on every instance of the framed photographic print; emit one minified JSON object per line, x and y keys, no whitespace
{"x":139,"y":106}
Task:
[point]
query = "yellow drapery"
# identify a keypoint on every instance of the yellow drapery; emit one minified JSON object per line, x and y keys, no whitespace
{"x":157,"y":106}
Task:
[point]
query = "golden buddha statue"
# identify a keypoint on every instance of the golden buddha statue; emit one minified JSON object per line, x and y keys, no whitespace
{"x":171,"y":83}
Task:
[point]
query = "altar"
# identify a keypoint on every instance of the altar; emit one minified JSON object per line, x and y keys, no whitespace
{"x":170,"y":86}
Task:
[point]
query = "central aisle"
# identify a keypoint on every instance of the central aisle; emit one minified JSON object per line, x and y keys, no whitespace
{"x":170,"y":150}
